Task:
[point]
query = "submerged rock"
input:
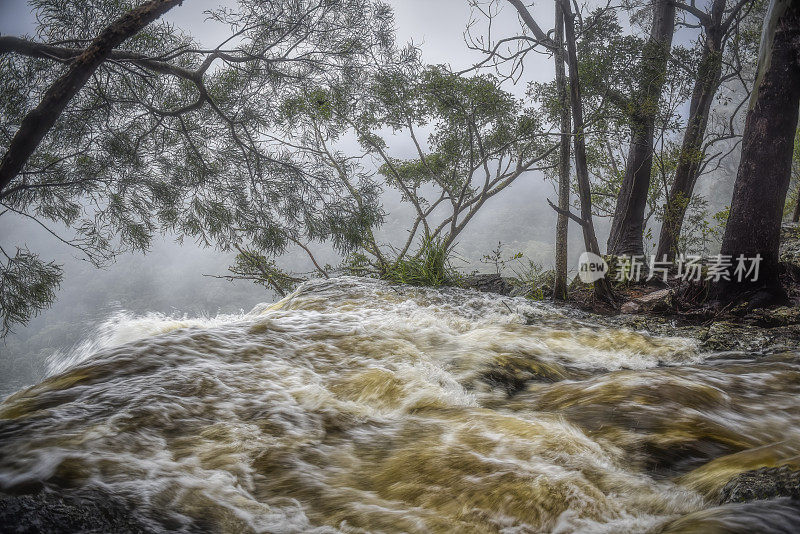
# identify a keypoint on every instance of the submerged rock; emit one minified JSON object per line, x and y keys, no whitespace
{"x":512,"y":372}
{"x":761,"y":484}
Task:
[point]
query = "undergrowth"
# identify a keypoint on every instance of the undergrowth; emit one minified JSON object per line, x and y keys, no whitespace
{"x":430,"y":266}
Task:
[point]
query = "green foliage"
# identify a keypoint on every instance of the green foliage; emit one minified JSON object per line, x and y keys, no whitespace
{"x":610,"y":60}
{"x":533,"y":277}
{"x":27,"y":286}
{"x":481,"y":139}
{"x":359,"y":264}
{"x":525,"y":272}
{"x":253,"y":266}
{"x":430,"y":267}
{"x":701,"y":230}
{"x":496,"y":258}
{"x":463,"y":113}
{"x":142,"y":150}
{"x":614,"y":83}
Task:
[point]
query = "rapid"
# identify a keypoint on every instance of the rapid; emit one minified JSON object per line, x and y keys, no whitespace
{"x":356,"y":406}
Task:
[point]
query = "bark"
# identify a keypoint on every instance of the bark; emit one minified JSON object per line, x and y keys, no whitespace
{"x":691,"y":155}
{"x":627,"y":227}
{"x":530,"y":22}
{"x":602,"y":287}
{"x":562,"y":225}
{"x":764,"y":173}
{"x":41,"y":119}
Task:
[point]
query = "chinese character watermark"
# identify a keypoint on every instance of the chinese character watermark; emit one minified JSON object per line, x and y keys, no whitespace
{"x":688,"y":268}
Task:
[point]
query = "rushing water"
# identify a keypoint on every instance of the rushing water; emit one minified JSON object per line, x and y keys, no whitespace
{"x":355,"y":406}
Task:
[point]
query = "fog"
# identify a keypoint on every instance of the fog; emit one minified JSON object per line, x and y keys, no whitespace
{"x":170,"y":278}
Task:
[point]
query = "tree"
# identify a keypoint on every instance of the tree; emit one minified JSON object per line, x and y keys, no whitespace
{"x":762,"y":182}
{"x":513,"y":50}
{"x":167,"y":135}
{"x":562,"y":225}
{"x":719,"y":27}
{"x":627,"y":227}
{"x":481,"y":141}
{"x":39,"y":120}
{"x":614,"y":85}
{"x":602,"y":287}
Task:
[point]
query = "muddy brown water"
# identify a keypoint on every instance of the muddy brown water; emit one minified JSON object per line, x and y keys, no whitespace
{"x":355,"y":406}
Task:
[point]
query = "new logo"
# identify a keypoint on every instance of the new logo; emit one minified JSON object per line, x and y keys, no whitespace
{"x":591,"y":267}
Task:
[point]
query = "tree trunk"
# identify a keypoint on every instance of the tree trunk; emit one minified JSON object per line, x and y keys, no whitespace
{"x":627,"y":227}
{"x":562,"y":225}
{"x":602,"y":287}
{"x":691,"y":155}
{"x":41,"y":119}
{"x":762,"y":182}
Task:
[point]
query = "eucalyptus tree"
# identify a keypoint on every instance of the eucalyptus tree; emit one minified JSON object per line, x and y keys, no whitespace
{"x":509,"y":54}
{"x":610,"y":75}
{"x":562,"y":224}
{"x":38,"y":121}
{"x":724,"y":45}
{"x":602,"y":287}
{"x":753,"y":228}
{"x":627,"y":227}
{"x":471,"y":141}
{"x":511,"y":51}
{"x":167,"y":134}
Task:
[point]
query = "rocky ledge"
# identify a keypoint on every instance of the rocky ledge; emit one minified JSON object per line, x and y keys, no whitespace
{"x":69,"y":510}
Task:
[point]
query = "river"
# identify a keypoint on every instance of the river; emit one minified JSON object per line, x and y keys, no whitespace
{"x":356,"y":406}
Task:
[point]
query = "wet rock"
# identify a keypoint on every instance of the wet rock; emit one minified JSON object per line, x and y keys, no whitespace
{"x":722,"y":336}
{"x":655,"y":296}
{"x":762,"y":484}
{"x":780,"y":316}
{"x":651,"y":302}
{"x":630,"y":307}
{"x":728,"y":336}
{"x":48,"y":512}
{"x":488,"y":283}
{"x":731,"y":334}
{"x":656,"y":301}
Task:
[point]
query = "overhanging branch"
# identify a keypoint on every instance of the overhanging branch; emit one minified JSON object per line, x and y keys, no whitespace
{"x":567,"y":213}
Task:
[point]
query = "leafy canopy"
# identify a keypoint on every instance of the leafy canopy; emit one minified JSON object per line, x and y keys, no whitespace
{"x":170,"y":135}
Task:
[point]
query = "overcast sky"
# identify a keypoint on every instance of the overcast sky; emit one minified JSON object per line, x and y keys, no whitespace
{"x":436,"y":26}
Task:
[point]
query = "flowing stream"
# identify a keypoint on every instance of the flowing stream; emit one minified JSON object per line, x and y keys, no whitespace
{"x":356,"y":406}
